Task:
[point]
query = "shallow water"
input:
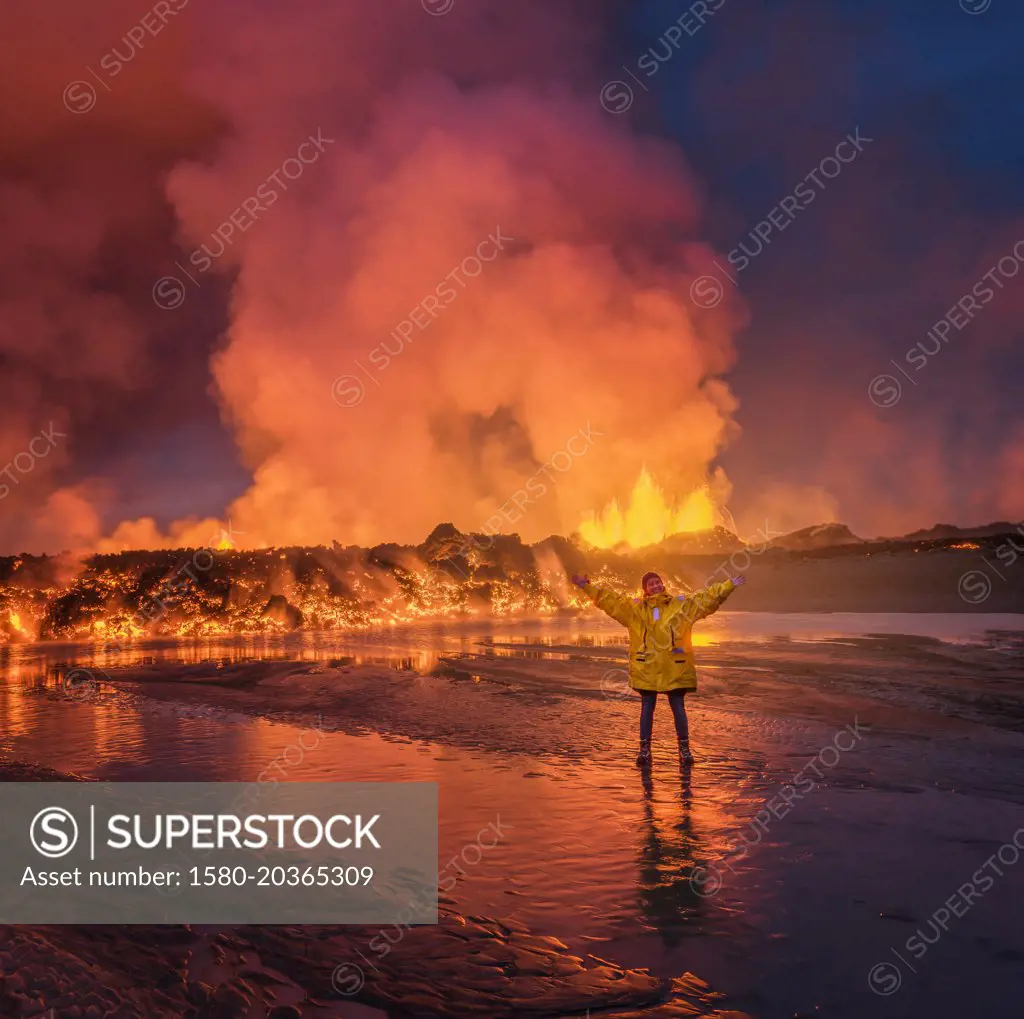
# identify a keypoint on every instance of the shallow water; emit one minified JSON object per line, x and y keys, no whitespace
{"x":593,"y":854}
{"x":419,"y":647}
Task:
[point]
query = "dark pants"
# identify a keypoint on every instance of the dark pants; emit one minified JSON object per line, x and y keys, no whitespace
{"x":677,"y":702}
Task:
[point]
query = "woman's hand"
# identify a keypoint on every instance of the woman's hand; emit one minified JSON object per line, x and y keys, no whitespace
{"x":580,"y":581}
{"x":738,"y":581}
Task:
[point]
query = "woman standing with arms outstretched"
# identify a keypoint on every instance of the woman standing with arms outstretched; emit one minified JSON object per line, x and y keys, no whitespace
{"x":661,"y":647}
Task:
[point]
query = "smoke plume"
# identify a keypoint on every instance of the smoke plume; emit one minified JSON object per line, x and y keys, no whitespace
{"x":343,"y":271}
{"x":453,"y":263}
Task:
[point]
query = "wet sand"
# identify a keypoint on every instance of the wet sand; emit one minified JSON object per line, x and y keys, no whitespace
{"x":608,"y":888}
{"x":463,"y":966}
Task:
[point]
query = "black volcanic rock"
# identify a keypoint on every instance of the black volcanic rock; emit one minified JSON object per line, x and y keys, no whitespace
{"x":818,"y":536}
{"x":943,"y":532}
{"x":280,"y":610}
{"x":184,"y":592}
{"x":714,"y":541}
{"x":566,"y":551}
{"x":445,"y":541}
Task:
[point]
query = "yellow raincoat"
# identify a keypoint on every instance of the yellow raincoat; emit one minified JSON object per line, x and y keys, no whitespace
{"x":660,"y":632}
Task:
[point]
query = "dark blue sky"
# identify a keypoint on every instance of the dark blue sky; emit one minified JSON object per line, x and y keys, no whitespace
{"x":946,"y":82}
{"x":755,"y":98}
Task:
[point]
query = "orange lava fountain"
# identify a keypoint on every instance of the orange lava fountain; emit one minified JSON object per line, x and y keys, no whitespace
{"x":649,"y":517}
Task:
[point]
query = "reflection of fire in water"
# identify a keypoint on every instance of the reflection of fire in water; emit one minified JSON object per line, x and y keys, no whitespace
{"x":649,"y":517}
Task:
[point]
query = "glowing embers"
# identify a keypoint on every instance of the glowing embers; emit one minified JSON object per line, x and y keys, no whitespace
{"x":129,"y":597}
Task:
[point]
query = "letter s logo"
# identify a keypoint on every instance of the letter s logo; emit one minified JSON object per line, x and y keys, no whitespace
{"x":53,"y":822}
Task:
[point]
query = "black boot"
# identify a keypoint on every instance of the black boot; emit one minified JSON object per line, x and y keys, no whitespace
{"x":643,"y":759}
{"x":685,"y":757}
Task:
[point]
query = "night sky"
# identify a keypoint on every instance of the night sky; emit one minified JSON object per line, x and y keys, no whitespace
{"x":901,"y":235}
{"x":798,"y":395}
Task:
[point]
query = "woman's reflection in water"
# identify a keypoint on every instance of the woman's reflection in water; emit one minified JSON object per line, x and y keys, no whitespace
{"x":666,"y":858}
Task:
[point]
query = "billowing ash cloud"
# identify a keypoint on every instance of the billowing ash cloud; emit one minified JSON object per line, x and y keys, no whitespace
{"x":423,"y":276}
{"x":454,"y":270}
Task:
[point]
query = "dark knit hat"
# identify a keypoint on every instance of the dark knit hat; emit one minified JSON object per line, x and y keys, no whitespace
{"x":647,"y":576}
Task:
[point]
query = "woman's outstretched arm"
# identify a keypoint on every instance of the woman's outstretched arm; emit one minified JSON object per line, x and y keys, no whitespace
{"x":708,"y":600}
{"x":615,"y":605}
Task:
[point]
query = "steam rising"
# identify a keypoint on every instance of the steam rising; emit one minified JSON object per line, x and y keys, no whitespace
{"x":441,"y":138}
{"x":375,"y":378}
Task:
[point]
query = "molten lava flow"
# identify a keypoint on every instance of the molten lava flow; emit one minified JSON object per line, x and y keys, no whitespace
{"x":649,"y":517}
